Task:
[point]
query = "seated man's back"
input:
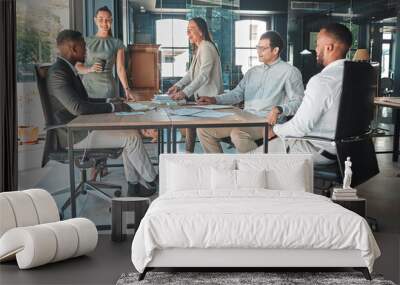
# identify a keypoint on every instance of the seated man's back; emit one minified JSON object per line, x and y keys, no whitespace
{"x":317,"y":114}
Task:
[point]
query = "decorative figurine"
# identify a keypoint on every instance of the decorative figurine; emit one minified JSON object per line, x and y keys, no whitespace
{"x":348,"y":173}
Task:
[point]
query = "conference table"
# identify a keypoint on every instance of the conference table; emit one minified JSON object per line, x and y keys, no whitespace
{"x":394,"y":103}
{"x":162,"y":118}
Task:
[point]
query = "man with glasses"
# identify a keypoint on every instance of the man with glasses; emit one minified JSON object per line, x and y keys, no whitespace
{"x":273,"y":89}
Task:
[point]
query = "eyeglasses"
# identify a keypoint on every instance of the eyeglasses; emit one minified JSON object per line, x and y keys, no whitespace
{"x":104,"y":20}
{"x":261,"y":48}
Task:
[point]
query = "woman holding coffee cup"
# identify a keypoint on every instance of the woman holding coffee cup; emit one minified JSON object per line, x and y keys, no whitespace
{"x":103,"y":51}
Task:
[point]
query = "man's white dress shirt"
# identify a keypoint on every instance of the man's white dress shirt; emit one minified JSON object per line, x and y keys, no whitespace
{"x":317,"y":114}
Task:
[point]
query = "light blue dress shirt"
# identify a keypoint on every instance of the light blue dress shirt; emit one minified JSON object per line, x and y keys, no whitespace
{"x":265,"y":86}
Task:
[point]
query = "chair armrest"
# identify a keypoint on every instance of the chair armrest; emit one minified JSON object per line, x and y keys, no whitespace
{"x":312,"y":138}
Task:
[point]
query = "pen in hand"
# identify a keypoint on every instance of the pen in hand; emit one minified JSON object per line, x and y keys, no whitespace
{"x":206,"y":100}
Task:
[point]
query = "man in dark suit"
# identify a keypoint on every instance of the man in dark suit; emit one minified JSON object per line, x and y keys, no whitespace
{"x":69,"y":99}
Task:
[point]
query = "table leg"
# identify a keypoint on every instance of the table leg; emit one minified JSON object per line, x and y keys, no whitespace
{"x":158,"y":141}
{"x":174,"y":140}
{"x":116,"y":223}
{"x":71,"y":172}
{"x":396,"y":113}
{"x":162,"y":140}
{"x":266,"y":138}
{"x":169,"y":140}
{"x":140,"y":211}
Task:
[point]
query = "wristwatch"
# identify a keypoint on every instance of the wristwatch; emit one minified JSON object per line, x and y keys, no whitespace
{"x":280,"y":109}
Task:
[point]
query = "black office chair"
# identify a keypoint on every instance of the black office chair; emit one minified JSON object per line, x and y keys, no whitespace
{"x":353,"y":134}
{"x":84,"y":160}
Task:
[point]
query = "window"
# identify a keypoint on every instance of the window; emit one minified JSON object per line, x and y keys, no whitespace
{"x":247,"y":34}
{"x":387,"y":45}
{"x":38,"y":23}
{"x":387,"y":36}
{"x":385,"y":60}
{"x":171,"y":35}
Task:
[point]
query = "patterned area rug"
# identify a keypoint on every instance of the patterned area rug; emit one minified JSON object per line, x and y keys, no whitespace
{"x":244,"y":278}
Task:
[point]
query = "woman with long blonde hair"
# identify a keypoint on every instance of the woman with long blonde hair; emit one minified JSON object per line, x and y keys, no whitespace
{"x":204,"y":77}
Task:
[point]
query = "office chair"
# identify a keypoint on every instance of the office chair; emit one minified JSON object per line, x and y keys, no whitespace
{"x":353,"y":132}
{"x":353,"y":137}
{"x":84,"y":160}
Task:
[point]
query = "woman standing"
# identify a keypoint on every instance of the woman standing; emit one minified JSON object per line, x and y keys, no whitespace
{"x":102,"y":52}
{"x":204,"y":77}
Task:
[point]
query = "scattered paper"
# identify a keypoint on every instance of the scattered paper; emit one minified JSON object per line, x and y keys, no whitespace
{"x":128,"y":113}
{"x":162,"y":97}
{"x":215,"y":107}
{"x":141,"y":107}
{"x":212,"y":114}
{"x":185,"y":112}
{"x":166,"y":99}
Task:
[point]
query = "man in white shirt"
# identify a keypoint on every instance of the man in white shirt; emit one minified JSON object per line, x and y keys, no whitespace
{"x":317,"y":114}
{"x":274,"y":88}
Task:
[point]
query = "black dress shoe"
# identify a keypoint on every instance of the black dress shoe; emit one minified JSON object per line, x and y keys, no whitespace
{"x":146,"y":192}
{"x":150,"y":190}
{"x":133,"y":189}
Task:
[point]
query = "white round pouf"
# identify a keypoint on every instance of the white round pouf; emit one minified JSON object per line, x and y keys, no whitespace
{"x":32,"y":246}
{"x":6,"y":215}
{"x":31,"y":233}
{"x":67,"y":240}
{"x":23,"y":208}
{"x":87,"y":234}
{"x":46,"y":207}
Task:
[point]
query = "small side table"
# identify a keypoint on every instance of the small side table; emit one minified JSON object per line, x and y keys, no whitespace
{"x":119,"y":205}
{"x":357,"y":205}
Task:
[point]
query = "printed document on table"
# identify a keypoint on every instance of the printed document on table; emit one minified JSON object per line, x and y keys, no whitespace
{"x":215,"y":107}
{"x":212,"y":114}
{"x":185,"y":112}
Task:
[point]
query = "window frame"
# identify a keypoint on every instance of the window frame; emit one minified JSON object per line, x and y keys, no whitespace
{"x":262,"y":18}
{"x":173,"y":48}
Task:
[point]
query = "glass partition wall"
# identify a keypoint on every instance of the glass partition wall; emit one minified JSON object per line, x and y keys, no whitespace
{"x":38,"y":23}
{"x":235,"y":26}
{"x":165,"y":23}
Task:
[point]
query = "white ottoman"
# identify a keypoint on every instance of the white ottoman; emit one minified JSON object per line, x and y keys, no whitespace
{"x":31,"y":232}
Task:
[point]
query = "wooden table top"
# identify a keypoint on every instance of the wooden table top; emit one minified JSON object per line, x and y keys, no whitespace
{"x":239,"y":117}
{"x":393,"y":102}
{"x":149,"y":119}
{"x":162,"y":117}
